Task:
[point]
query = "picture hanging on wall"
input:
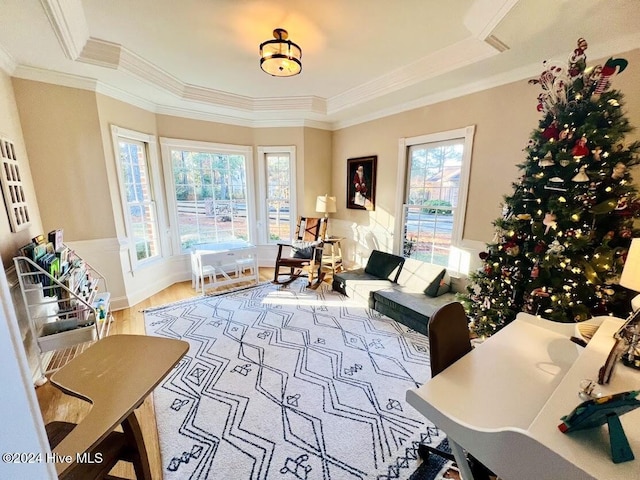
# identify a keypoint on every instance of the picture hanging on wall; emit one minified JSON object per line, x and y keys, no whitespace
{"x":12,"y":187}
{"x":361,"y":183}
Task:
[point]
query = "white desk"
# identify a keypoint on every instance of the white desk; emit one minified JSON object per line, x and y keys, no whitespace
{"x":503,"y":403}
{"x":219,"y":264}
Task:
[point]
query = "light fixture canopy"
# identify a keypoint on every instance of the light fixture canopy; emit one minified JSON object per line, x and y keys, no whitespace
{"x":280,"y":57}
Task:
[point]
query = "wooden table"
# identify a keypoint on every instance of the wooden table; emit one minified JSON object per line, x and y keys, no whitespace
{"x":115,"y":374}
{"x":503,"y":403}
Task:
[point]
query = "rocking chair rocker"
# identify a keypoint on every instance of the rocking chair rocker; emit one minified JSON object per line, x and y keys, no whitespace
{"x":305,"y":253}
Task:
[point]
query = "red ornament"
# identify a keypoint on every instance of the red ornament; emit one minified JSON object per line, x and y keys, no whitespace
{"x":483,"y":255}
{"x":551,"y":132}
{"x":580,"y":149}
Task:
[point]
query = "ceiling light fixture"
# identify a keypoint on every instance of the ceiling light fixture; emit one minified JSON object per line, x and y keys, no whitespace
{"x":280,"y":57}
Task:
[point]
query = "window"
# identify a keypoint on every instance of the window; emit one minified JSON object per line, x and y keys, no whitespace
{"x":435,"y":172}
{"x":134,"y":152}
{"x":209,"y":198}
{"x":278,"y":175}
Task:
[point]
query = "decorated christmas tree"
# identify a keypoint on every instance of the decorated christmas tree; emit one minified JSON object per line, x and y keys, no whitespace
{"x":561,"y":242}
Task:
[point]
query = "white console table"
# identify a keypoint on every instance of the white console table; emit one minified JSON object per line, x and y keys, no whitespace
{"x":503,"y":402}
{"x":219,"y":264}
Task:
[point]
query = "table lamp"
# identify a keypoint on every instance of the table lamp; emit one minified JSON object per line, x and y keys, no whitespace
{"x":326,"y":204}
{"x":631,"y":279}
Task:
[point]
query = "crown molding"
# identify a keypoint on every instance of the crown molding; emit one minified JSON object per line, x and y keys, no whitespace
{"x":484,"y":16}
{"x":533,"y":70}
{"x":460,"y":54}
{"x":69,"y":25}
{"x":101,"y":53}
{"x":494,"y":81}
{"x":56,"y":78}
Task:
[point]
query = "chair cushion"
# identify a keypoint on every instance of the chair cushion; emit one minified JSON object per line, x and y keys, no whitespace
{"x":301,"y":249}
{"x":427,"y":278}
{"x":401,"y":304}
{"x":384,"y":265}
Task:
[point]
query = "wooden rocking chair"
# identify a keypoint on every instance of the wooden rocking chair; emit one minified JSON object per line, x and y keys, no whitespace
{"x":305,"y":253}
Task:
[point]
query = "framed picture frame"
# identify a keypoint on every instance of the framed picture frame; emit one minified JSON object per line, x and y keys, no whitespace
{"x":361,"y":183}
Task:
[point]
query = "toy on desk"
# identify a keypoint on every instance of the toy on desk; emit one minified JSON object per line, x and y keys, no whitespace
{"x":597,"y":412}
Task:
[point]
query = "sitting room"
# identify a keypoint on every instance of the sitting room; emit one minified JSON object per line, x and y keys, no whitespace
{"x":228,"y":227}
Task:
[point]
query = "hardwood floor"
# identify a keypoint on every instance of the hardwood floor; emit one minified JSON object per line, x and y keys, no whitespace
{"x":55,"y":405}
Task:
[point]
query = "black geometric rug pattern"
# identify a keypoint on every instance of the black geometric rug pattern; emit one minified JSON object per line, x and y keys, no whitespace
{"x":289,"y":383}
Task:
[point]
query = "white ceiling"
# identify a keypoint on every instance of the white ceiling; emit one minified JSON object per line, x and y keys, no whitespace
{"x":362,"y":59}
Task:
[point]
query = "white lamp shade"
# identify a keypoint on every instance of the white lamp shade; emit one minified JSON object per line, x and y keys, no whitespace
{"x":326,"y":204}
{"x":631,"y":272}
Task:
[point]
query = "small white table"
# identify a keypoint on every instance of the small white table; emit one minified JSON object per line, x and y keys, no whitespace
{"x":503,"y":402}
{"x":219,"y":264}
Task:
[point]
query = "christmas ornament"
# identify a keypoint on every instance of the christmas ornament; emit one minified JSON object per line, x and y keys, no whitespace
{"x":512,"y":249}
{"x":540,"y":247}
{"x":618,"y":171}
{"x":556,"y":183}
{"x":580,"y":149}
{"x":578,"y":59}
{"x":539,"y":292}
{"x":581,"y":176}
{"x":547,"y":161}
{"x":535,"y":271}
{"x":608,"y":71}
{"x":549,"y":221}
{"x":551,"y":132}
{"x":596,"y":153}
{"x":555,"y":248}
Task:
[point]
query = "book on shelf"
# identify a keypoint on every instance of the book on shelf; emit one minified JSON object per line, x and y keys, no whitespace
{"x":55,"y":237}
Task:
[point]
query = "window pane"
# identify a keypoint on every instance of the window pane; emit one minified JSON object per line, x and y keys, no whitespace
{"x":432,"y":196}
{"x":211,"y":193}
{"x":137,"y":190}
{"x":278,"y":174}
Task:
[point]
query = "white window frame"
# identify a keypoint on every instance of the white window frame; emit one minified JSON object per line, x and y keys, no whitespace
{"x":465,"y":133}
{"x":153,"y":169}
{"x":169,"y":144}
{"x":263,"y":221}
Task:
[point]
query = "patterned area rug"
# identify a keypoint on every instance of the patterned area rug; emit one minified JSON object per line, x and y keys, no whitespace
{"x":289,"y":383}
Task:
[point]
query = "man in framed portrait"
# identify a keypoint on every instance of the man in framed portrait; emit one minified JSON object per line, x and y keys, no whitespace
{"x":360,"y":187}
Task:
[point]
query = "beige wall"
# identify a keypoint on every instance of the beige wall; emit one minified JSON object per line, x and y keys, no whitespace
{"x":317,"y":168}
{"x":11,"y":129}
{"x":504,"y":118}
{"x":64,"y":143}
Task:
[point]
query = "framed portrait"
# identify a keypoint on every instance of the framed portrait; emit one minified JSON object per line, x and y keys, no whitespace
{"x":361,"y":183}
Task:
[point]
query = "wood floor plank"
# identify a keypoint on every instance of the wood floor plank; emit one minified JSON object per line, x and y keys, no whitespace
{"x":56,"y":406}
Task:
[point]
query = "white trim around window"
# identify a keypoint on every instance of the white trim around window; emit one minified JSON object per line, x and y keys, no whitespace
{"x":152,"y":166}
{"x":169,"y":145}
{"x":263,"y":205}
{"x":466,"y":133}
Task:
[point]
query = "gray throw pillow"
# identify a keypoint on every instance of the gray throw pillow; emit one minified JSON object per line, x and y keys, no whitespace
{"x":302,"y":249}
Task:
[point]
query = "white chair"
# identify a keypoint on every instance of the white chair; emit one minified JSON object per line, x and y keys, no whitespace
{"x":200,"y":272}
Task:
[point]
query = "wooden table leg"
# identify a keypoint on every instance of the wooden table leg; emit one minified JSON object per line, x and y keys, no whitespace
{"x":135,"y":441}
